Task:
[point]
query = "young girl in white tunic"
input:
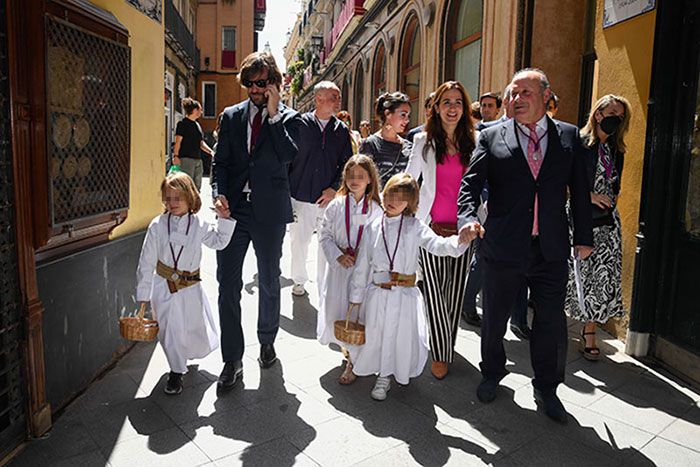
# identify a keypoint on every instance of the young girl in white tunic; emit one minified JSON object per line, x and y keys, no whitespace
{"x":168,"y":275}
{"x":383,"y":283}
{"x":344,"y":221}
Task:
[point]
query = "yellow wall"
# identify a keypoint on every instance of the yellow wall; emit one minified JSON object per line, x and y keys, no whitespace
{"x":624,"y":67}
{"x":146,"y":39}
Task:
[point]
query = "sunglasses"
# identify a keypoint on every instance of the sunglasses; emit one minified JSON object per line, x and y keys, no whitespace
{"x":261,"y":83}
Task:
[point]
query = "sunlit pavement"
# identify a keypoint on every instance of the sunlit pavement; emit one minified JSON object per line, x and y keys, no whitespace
{"x":622,"y":412}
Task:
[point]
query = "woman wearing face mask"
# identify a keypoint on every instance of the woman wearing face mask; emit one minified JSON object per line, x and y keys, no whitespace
{"x":386,"y":147}
{"x":594,"y":294}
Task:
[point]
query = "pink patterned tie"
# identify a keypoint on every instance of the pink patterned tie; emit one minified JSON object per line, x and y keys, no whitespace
{"x":534,"y":160}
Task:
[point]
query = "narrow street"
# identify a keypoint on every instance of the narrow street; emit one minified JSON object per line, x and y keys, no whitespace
{"x":622,"y":412}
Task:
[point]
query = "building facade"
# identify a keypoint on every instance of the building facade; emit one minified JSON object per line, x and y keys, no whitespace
{"x":588,"y":49}
{"x":181,"y":61}
{"x":81,"y":157}
{"x":226,"y":33}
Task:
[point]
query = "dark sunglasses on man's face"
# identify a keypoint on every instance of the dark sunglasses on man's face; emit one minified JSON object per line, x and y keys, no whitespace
{"x":261,"y":83}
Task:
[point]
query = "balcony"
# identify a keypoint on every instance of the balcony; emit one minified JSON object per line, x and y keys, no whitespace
{"x":179,"y":36}
{"x":259,"y":18}
{"x":351,"y":9}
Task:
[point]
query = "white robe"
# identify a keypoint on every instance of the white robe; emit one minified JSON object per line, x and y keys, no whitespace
{"x":396,"y":330}
{"x":333,"y":238}
{"x":187,"y":329}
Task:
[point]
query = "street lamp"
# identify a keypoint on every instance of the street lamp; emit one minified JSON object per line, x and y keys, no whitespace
{"x":317,"y":43}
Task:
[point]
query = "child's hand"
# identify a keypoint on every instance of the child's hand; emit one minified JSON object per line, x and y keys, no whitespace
{"x":222,"y":211}
{"x":346,"y":261}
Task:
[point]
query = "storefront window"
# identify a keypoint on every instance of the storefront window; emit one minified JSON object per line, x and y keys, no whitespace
{"x":410,"y":70}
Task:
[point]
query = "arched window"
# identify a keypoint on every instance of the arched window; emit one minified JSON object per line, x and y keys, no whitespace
{"x":464,"y":44}
{"x":344,"y":92}
{"x":378,"y":78}
{"x":410,"y":68}
{"x":357,"y":113}
{"x":379,"y":74}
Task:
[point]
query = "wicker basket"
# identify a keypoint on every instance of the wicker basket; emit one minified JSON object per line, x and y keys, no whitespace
{"x":138,"y":328}
{"x":350,"y":332}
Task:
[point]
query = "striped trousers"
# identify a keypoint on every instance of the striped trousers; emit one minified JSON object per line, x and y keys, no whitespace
{"x":444,"y":281}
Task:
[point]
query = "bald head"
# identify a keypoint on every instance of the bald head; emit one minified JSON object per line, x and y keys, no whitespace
{"x":529,"y":95}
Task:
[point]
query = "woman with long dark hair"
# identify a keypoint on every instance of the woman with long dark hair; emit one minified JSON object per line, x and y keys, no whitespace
{"x":441,"y":155}
{"x":594,"y":294}
{"x":386,"y":147}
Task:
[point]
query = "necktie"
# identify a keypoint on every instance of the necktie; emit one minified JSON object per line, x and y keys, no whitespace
{"x":255,"y":129}
{"x":534,"y":160}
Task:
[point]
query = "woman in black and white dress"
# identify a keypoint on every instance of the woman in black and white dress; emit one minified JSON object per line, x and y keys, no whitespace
{"x":598,"y":295}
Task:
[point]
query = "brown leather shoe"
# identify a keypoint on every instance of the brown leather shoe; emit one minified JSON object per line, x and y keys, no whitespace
{"x":439,"y":369}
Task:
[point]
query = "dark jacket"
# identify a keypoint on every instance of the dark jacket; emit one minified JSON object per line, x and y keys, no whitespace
{"x":266,"y":170}
{"x":499,"y":160}
{"x":603,"y":216}
{"x":320,"y":159}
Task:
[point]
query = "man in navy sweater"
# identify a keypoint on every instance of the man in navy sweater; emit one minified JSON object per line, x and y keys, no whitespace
{"x":324,"y":146}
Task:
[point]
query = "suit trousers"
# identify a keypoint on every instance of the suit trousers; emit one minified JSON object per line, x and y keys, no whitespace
{"x":267,"y":241}
{"x":503,"y":281}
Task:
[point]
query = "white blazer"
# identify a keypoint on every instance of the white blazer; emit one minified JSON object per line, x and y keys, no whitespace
{"x":427,"y":167}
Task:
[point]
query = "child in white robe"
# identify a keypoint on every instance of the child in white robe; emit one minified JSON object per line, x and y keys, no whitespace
{"x":383,"y":282}
{"x":168,"y":275}
{"x":344,"y":221}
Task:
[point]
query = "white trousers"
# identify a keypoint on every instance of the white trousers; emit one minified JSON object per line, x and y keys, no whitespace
{"x":307,"y":218}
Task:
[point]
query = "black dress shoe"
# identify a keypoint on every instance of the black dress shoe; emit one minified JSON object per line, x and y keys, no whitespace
{"x":268,"y":357}
{"x":231,"y":374}
{"x":472,"y":319}
{"x":486,"y":392}
{"x":552,"y":406}
{"x":522,"y":331}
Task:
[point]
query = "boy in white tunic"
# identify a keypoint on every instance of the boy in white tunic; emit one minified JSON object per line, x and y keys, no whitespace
{"x":168,"y":275}
{"x":383,"y":282}
{"x":344,"y":221}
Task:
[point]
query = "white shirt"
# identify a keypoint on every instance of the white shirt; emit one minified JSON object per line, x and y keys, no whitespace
{"x":541,"y":129}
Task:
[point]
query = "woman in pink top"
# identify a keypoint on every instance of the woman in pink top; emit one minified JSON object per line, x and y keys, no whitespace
{"x":441,"y":155}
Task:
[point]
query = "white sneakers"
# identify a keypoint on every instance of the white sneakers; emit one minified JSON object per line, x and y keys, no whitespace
{"x":298,"y":290}
{"x":381,"y":387}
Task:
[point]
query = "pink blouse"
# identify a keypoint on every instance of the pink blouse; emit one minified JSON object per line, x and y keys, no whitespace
{"x":448,"y":177}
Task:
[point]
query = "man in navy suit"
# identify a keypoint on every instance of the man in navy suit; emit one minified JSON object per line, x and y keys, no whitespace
{"x":532,"y":164}
{"x":251,"y":165}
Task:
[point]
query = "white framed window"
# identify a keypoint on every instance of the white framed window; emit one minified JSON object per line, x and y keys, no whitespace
{"x":208,"y":99}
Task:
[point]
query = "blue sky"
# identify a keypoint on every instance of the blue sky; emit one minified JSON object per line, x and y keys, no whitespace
{"x":279,"y":18}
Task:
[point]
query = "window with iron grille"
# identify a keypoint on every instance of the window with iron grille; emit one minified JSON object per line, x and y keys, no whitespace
{"x":209,"y":99}
{"x":88,"y":86}
{"x":228,"y":47}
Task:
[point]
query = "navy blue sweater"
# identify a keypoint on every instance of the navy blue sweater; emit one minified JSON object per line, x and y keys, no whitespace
{"x":321,"y":157}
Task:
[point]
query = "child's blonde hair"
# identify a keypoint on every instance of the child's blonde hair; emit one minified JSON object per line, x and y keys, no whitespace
{"x":368,"y":164}
{"x":182,"y":183}
{"x":407,"y":186}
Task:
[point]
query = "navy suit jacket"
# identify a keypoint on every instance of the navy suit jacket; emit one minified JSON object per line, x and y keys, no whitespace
{"x":499,"y":160}
{"x":266,"y":170}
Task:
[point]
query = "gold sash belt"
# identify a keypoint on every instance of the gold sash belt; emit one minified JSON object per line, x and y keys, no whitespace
{"x":399,"y":280}
{"x":177,"y":279}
